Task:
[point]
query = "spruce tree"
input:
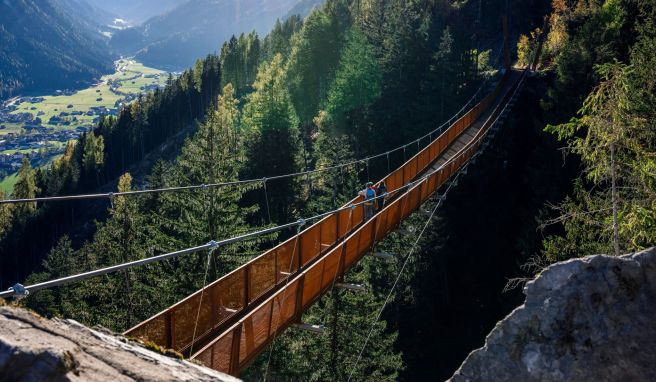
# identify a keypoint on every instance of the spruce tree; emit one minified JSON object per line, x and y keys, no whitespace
{"x":272,"y":140}
{"x":25,"y":188}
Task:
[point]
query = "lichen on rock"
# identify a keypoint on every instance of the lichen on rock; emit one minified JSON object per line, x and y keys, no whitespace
{"x":589,"y":319}
{"x":36,"y":349}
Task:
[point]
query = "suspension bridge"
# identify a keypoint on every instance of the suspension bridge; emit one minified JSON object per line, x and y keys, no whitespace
{"x":238,"y":315}
{"x":229,"y":322}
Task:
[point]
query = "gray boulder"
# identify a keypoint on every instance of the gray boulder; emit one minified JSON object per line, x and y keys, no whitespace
{"x":589,"y":319}
{"x":36,"y":349}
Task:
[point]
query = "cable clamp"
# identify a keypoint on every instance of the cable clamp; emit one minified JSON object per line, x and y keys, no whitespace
{"x":20,"y":291}
{"x":203,"y":187}
{"x":353,"y":206}
{"x":264,"y":180}
{"x":301,"y":222}
{"x":111,"y":199}
{"x":213,"y":244}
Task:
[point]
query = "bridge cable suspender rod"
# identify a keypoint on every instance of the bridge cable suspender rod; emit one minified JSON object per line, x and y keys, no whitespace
{"x":24,"y":290}
{"x":112,"y":195}
{"x":398,"y":277}
{"x":21,"y":290}
{"x":414,"y":246}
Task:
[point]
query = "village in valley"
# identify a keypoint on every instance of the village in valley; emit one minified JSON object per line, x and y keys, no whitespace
{"x":39,"y":127}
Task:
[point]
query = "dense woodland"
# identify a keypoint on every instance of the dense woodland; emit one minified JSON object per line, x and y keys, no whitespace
{"x":357,"y":78}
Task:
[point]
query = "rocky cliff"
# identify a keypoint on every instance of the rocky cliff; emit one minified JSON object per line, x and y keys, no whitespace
{"x":36,"y":349}
{"x":590,"y":319}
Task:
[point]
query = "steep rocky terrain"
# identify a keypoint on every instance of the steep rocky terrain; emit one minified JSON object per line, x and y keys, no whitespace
{"x":36,"y":349}
{"x":589,"y":319}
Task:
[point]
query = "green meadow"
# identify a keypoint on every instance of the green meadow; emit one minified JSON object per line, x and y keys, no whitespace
{"x":130,"y":76}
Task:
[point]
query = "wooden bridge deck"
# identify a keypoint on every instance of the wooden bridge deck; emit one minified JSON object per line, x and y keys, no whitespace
{"x":243,"y":311}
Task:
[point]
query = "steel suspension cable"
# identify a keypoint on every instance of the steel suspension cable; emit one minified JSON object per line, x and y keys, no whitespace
{"x":111,"y":195}
{"x":200,"y":301}
{"x":284,"y":298}
{"x":24,"y":290}
{"x":396,"y":281}
{"x":19,"y":289}
{"x":266,"y":198}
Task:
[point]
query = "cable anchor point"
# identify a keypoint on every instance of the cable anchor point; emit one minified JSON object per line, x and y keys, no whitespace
{"x":20,"y":291}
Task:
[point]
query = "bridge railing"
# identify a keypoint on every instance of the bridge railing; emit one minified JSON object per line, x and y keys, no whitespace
{"x":232,"y":350}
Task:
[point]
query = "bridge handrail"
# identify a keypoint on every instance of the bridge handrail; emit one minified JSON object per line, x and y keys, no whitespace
{"x":234,"y":348}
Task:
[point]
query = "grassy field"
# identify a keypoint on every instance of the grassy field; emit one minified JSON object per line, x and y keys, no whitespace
{"x":130,"y":78}
{"x":7,"y":184}
{"x":11,"y":128}
{"x":130,"y":75}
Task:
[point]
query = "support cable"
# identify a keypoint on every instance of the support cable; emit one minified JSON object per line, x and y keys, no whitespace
{"x":266,"y":198}
{"x":389,"y":295}
{"x":200,"y":301}
{"x":21,"y":291}
{"x":111,"y":195}
{"x":284,"y":298}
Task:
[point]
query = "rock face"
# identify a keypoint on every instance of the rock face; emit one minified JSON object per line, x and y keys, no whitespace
{"x":591,"y":319}
{"x":37,"y":349}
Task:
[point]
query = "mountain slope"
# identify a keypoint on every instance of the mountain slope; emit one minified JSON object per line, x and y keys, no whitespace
{"x":43,"y":47}
{"x":136,"y":11}
{"x":196,"y":28}
{"x":303,"y":8}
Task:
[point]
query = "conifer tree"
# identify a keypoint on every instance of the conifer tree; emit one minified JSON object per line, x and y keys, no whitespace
{"x":357,"y":81}
{"x":25,"y":188}
{"x":272,"y":139}
{"x":60,"y":301}
{"x":5,"y":216}
{"x":94,"y":155}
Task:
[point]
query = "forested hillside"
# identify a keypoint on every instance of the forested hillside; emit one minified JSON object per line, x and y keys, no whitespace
{"x":353,"y":79}
{"x":601,"y":59}
{"x":47,"y":45}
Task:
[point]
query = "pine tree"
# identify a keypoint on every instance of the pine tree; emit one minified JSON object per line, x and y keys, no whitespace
{"x":272,"y":139}
{"x":94,"y":155}
{"x":5,"y":216}
{"x":312,"y":63}
{"x":60,"y":301}
{"x":117,"y":241}
{"x":25,"y":188}
{"x":616,"y":146}
{"x":357,"y":81}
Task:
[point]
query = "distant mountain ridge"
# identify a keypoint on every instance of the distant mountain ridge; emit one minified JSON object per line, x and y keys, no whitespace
{"x":136,"y":11}
{"x":196,"y":28}
{"x":44,"y":47}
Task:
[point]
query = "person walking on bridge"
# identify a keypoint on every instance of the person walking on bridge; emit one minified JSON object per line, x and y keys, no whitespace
{"x":381,"y":194}
{"x":369,"y":194}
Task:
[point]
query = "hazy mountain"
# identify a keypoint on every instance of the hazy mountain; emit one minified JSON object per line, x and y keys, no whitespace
{"x":136,"y":11}
{"x":45,"y":45}
{"x":304,"y":7}
{"x":196,"y":28}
